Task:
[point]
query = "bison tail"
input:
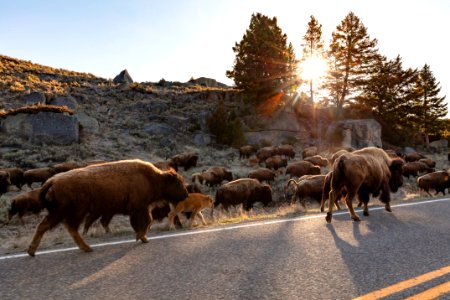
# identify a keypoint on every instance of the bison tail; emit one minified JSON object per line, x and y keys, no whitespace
{"x":44,"y":196}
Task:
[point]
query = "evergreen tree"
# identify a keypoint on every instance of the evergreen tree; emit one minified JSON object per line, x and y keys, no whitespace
{"x":352,"y":54}
{"x":388,"y":93}
{"x":312,"y":47}
{"x":265,"y":64}
{"x":427,"y":106}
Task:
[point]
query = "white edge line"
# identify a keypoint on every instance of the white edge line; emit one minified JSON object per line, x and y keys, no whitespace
{"x":194,"y":232}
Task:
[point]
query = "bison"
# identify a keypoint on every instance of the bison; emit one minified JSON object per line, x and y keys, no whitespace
{"x":414,"y":168}
{"x":437,"y":181}
{"x":15,"y":176}
{"x":185,"y":160}
{"x":307,"y":186}
{"x":127,"y":187}
{"x":309,"y":151}
{"x":245,"y":191}
{"x":166,"y":165}
{"x":276,"y":162}
{"x":265,"y":152}
{"x":413,"y":156}
{"x":286,"y":150}
{"x":317,"y":160}
{"x":67,"y":166}
{"x":336,"y":155}
{"x":365,"y":172}
{"x":4,"y":182}
{"x":246,"y":151}
{"x":301,"y":168}
{"x":27,"y":202}
{"x":194,"y":204}
{"x":37,"y":175}
{"x":262,"y":174}
{"x":428,"y":161}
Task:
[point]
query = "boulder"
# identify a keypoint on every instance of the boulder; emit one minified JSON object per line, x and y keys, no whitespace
{"x":88,"y":124}
{"x":159,"y":129}
{"x":68,"y":101}
{"x":439,"y":145}
{"x":43,"y":127}
{"x":202,"y":139}
{"x":123,"y":77}
{"x":208,"y":82}
{"x":356,"y":133}
{"x":33,"y":98}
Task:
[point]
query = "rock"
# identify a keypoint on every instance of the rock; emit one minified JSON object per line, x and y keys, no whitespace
{"x":68,"y":101}
{"x":153,"y":106}
{"x":409,"y":150}
{"x":202,"y":139}
{"x":208,"y":82}
{"x":43,"y":127}
{"x":33,"y":98}
{"x":88,"y":124}
{"x":439,"y":145}
{"x":356,"y":133}
{"x":159,"y":129}
{"x":123,"y":77}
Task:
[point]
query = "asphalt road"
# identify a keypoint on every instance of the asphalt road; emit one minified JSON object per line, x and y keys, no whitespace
{"x":301,"y":258}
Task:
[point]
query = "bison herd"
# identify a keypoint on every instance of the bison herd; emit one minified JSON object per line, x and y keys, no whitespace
{"x":73,"y":193}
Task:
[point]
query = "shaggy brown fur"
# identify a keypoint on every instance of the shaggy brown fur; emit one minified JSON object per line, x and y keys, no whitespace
{"x":185,"y":160}
{"x":212,"y":176}
{"x":15,"y":176}
{"x":286,"y":150}
{"x":4,"y":182}
{"x":194,"y":203}
{"x":317,"y":160}
{"x":166,"y":165}
{"x":438,"y":181}
{"x":246,"y":151}
{"x":336,"y":155}
{"x":414,"y":156}
{"x":276,"y":162}
{"x":365,"y":172}
{"x":262,"y":174}
{"x":308,"y":186}
{"x":414,"y":168}
{"x":27,"y":202}
{"x":300,"y":168}
{"x":127,"y":187}
{"x":67,"y":166}
{"x":265,"y":152}
{"x":37,"y":175}
{"x":245,"y":191}
{"x":309,"y":151}
{"x":428,"y":161}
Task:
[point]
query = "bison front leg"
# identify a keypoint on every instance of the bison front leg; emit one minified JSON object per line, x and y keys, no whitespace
{"x":349,"y":203}
{"x":332,"y":199}
{"x":201,"y":217}
{"x":141,"y":220}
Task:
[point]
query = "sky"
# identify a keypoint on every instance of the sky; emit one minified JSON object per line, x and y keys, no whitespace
{"x":180,"y":39}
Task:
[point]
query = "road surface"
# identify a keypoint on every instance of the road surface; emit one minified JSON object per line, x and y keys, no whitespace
{"x":395,"y":255}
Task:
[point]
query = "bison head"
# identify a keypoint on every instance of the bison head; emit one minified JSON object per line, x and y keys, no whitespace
{"x":396,"y":179}
{"x":4,"y":182}
{"x":174,"y":188}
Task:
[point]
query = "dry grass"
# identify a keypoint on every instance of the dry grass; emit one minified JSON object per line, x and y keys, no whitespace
{"x":36,"y":108}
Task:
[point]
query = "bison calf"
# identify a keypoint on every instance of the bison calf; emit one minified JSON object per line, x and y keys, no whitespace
{"x":194,"y":203}
{"x":23,"y":203}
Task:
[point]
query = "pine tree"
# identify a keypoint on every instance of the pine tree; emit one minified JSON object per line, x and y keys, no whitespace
{"x":427,"y":106}
{"x":265,"y":64}
{"x":312,"y":47}
{"x":352,"y":54}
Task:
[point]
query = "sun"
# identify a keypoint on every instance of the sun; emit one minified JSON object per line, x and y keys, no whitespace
{"x":313,"y":68}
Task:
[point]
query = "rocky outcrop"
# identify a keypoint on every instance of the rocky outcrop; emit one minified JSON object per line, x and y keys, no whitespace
{"x":88,"y":124}
{"x":123,"y":77}
{"x":356,"y":133}
{"x":439,"y":145}
{"x":208,"y":82}
{"x":33,"y":98}
{"x":43,"y":127}
{"x":68,"y":101}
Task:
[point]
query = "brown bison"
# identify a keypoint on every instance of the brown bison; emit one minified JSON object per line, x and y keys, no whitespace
{"x":300,"y":168}
{"x":15,"y":176}
{"x":212,"y":176}
{"x":276,"y":162}
{"x":265,"y":152}
{"x":428,"y":161}
{"x":365,"y":172}
{"x":185,"y":160}
{"x":413,"y":156}
{"x":37,"y":175}
{"x":336,"y":155}
{"x":326,"y":193}
{"x":245,"y":191}
{"x":309,"y":151}
{"x":23,"y":203}
{"x":286,"y":150}
{"x":438,"y":181}
{"x":308,"y":186}
{"x":246,"y":151}
{"x":317,"y":160}
{"x":4,"y":182}
{"x":416,"y":167}
{"x":67,"y":166}
{"x":262,"y":174}
{"x":166,"y":165}
{"x":127,"y":187}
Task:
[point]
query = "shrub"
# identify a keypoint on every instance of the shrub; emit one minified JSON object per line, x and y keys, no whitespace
{"x":227,"y":127}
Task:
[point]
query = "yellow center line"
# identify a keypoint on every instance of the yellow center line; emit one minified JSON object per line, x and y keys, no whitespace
{"x":403,"y":285}
{"x":432,"y":293}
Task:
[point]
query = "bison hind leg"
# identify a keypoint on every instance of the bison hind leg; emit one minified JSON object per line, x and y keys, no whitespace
{"x":73,"y":231}
{"x":50,"y":221}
